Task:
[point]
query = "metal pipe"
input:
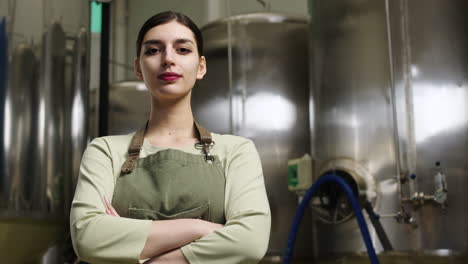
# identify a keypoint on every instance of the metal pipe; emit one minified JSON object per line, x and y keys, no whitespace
{"x":394,"y":111}
{"x":387,"y":246}
{"x":408,"y":83}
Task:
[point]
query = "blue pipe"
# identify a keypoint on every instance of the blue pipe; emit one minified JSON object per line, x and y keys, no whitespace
{"x":354,"y":204}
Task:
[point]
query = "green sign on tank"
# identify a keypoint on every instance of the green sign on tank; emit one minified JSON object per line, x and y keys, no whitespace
{"x":96,"y":17}
{"x":292,"y":175}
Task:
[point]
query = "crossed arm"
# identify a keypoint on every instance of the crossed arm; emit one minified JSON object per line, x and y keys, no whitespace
{"x":100,"y":237}
{"x":177,"y":233}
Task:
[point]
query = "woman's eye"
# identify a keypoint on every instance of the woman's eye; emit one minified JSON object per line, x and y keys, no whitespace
{"x":184,"y":50}
{"x":152,"y":51}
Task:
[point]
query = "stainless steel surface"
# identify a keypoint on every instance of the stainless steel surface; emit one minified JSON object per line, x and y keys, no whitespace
{"x":18,"y":187}
{"x":44,"y":128}
{"x":50,"y":116}
{"x":265,"y":98}
{"x":78,"y":110}
{"x":412,"y":55}
{"x":352,"y":107}
{"x":436,"y":73}
{"x":129,"y":107}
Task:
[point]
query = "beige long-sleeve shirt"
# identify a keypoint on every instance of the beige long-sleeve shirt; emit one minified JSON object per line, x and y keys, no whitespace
{"x":102,"y":239}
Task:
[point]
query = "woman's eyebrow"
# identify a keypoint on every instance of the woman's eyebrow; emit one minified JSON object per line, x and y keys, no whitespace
{"x":152,"y":42}
{"x":158,"y":42}
{"x":183,"y":40}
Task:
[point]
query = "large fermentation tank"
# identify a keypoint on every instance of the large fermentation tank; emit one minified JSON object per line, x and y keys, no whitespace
{"x":256,"y":86}
{"x":129,"y":107}
{"x":389,"y":95}
{"x":44,"y":113}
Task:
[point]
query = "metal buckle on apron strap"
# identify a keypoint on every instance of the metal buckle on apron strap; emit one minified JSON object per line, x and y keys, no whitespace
{"x":134,"y":150}
{"x":206,"y":149}
{"x":133,"y":154}
{"x":205,"y":143}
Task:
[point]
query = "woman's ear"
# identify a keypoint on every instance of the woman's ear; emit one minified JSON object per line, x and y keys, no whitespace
{"x":201,"y":68}
{"x":137,"y":69}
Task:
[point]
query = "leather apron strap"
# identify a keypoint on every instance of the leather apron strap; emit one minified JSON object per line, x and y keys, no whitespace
{"x":134,"y":150}
{"x":204,"y":134}
{"x":205,"y":143}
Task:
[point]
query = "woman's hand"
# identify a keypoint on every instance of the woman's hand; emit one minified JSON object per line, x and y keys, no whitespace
{"x":109,"y":208}
{"x":204,"y":227}
{"x":173,"y":257}
{"x":166,"y":235}
{"x":177,"y":233}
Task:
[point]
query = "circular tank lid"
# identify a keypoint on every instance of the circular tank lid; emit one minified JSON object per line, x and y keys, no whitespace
{"x":259,"y":18}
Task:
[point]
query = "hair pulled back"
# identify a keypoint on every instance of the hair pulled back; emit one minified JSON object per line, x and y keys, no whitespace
{"x":166,"y":17}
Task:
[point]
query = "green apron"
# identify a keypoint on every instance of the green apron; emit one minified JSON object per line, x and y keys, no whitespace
{"x":171,"y":184}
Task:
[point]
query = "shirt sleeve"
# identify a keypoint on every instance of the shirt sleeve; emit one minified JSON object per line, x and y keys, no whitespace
{"x":245,"y":236}
{"x":97,"y":237}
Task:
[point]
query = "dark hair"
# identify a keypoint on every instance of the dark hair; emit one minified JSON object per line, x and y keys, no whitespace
{"x":166,"y":17}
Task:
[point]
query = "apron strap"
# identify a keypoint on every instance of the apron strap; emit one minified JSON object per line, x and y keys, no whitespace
{"x":206,"y":143}
{"x":134,"y":150}
{"x":205,"y":136}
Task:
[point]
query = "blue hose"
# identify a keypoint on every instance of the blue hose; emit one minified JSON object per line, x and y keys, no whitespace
{"x":354,"y":204}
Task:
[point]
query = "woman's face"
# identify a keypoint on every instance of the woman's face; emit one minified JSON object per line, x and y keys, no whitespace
{"x":169,"y":62}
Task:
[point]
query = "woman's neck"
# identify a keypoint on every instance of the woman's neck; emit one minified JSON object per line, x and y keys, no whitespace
{"x":171,"y":124}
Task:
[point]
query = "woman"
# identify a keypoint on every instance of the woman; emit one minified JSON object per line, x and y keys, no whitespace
{"x":168,"y":193}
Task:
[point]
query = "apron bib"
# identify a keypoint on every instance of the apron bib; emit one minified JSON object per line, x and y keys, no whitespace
{"x":171,"y":184}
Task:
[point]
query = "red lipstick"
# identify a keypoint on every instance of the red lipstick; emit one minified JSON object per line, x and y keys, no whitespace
{"x":169,"y":76}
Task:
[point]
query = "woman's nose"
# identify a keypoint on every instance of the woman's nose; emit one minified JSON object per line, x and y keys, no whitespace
{"x":168,"y":58}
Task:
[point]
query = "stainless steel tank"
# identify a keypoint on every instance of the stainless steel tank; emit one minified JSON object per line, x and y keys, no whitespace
{"x":17,"y":140}
{"x":44,"y":125}
{"x":256,"y":86}
{"x":78,"y":119}
{"x":129,"y":107}
{"x":389,"y":95}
